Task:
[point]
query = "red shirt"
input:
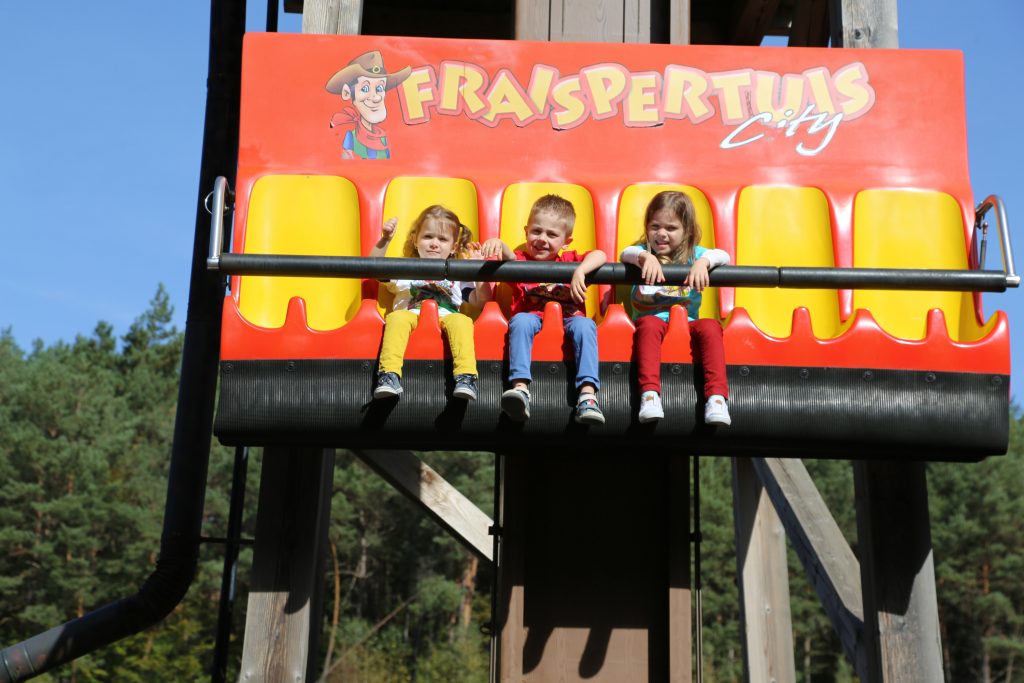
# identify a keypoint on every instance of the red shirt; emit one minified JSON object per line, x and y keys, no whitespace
{"x":530,"y":297}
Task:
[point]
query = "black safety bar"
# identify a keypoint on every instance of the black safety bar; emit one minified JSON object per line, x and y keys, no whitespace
{"x":611,"y":273}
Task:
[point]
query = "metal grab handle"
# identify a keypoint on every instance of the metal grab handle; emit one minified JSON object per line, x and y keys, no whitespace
{"x":217,"y":211}
{"x":993,"y":201}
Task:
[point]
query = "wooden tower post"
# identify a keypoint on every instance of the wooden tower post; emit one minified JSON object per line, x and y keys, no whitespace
{"x":594,"y":568}
{"x":763,"y":579}
{"x":282,"y":624}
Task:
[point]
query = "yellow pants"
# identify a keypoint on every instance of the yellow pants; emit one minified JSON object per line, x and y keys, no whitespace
{"x":399,"y":325}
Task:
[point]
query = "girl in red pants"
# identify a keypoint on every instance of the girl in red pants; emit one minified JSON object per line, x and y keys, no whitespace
{"x":671,"y":235}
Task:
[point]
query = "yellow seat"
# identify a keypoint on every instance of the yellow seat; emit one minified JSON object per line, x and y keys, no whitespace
{"x":786,"y":226}
{"x":515,"y":211}
{"x":407,"y":196}
{"x":910,"y":229}
{"x":630,"y":229}
{"x":305,"y":215}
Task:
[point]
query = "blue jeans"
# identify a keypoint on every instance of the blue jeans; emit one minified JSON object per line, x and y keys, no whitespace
{"x":524,"y":327}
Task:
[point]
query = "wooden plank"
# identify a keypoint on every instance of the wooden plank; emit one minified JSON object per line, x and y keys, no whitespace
{"x":864,"y":23}
{"x":332,"y":17}
{"x":282,"y":623}
{"x":763,"y":580}
{"x":830,"y":564}
{"x":680,"y":621}
{"x":902,"y":638}
{"x":439,"y":499}
{"x":680,"y":25}
{"x":599,"y":21}
{"x":533,"y":19}
{"x":636,"y":21}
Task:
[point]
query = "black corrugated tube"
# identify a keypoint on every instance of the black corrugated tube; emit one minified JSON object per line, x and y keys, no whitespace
{"x":186,"y":485}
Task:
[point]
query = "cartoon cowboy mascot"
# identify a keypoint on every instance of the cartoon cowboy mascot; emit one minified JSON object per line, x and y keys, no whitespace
{"x":364,"y":81}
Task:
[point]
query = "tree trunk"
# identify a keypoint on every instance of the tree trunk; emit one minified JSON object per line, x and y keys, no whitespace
{"x":337,"y":608}
{"x":807,"y":660}
{"x":469,"y":590}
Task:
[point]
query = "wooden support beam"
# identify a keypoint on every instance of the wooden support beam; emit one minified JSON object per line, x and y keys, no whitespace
{"x":901,"y":627}
{"x":751,"y":21}
{"x":332,"y":17}
{"x":763,"y":580}
{"x":810,"y":26}
{"x":440,"y":500}
{"x":864,"y":23}
{"x":831,"y":566}
{"x":282,"y":624}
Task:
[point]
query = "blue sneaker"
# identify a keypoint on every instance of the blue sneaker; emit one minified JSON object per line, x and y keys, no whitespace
{"x":388,"y":385}
{"x":465,"y":387}
{"x":516,"y":404}
{"x":588,"y":411}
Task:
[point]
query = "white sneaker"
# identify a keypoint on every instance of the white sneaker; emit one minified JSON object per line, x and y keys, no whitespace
{"x":716,"y":411}
{"x":650,"y":407}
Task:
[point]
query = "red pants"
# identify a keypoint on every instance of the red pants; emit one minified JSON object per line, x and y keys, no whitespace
{"x":705,"y":344}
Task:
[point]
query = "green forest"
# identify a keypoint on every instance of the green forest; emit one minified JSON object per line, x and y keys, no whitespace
{"x":85,"y":437}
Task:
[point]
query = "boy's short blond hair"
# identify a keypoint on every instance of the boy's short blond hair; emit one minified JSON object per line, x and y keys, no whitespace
{"x":559,"y":207}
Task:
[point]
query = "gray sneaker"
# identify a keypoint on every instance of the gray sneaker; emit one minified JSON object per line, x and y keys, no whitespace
{"x":588,"y":411}
{"x":465,"y":387}
{"x":388,"y":385}
{"x":516,"y":404}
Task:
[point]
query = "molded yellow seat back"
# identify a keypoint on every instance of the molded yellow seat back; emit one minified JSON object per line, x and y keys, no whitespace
{"x":305,"y":215}
{"x":908,"y":229}
{"x":515,"y":211}
{"x":407,"y":196}
{"x":630,"y":229}
{"x":786,"y":226}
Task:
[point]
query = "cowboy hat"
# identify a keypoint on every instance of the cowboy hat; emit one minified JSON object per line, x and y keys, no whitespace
{"x":371,"y":65}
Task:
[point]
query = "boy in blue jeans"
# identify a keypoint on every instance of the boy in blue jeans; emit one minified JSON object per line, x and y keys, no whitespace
{"x":548,"y":229}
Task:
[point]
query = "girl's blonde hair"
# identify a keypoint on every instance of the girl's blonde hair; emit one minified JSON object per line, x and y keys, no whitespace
{"x":682,"y":208}
{"x":460,"y":233}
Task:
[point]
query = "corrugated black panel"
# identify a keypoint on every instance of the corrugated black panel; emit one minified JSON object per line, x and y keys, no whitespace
{"x":776,"y":411}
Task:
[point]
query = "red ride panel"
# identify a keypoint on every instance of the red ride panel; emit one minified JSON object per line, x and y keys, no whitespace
{"x":606,"y":116}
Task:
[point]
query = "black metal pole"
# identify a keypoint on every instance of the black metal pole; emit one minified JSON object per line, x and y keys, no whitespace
{"x":227,"y":580}
{"x":698,"y":602}
{"x":186,"y":485}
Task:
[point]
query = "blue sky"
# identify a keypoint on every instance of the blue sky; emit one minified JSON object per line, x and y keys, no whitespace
{"x":101,"y":118}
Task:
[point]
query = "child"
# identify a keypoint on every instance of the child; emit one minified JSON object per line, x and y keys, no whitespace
{"x":548,"y":229}
{"x":437,"y":233}
{"x":671,"y":235}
